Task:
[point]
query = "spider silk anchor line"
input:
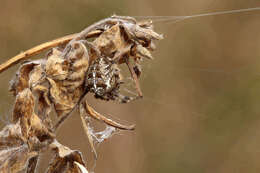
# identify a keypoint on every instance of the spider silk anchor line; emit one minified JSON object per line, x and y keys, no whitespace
{"x":175,"y":19}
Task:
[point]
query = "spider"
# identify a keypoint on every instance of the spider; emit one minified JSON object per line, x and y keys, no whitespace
{"x":104,"y":80}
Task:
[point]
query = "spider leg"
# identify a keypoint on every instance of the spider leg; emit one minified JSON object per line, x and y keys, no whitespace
{"x":126,"y":99}
{"x":135,"y":78}
{"x":108,"y":121}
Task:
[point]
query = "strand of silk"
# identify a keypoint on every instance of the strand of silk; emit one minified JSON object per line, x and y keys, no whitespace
{"x":175,"y":19}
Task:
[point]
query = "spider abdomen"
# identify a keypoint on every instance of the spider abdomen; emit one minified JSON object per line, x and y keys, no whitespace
{"x":103,"y":79}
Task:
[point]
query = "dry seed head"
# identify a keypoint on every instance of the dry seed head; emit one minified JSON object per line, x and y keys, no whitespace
{"x":61,"y":80}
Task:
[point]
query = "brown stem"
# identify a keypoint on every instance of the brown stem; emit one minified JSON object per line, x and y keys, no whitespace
{"x":35,"y":50}
{"x":108,"y":121}
{"x":42,"y":47}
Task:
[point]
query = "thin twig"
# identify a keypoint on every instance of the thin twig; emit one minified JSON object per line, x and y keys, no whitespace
{"x":42,"y":47}
{"x":89,"y":32}
{"x":35,"y":50}
{"x":90,"y":111}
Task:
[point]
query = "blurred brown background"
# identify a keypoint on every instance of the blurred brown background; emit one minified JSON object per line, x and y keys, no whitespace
{"x":201,"y":108}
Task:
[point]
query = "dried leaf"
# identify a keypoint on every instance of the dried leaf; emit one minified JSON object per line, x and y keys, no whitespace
{"x":81,"y":167}
{"x":143,"y":33}
{"x":44,"y":105}
{"x":39,"y":130}
{"x":14,"y":152}
{"x":15,"y":159}
{"x":78,"y":61}
{"x":23,"y":110}
{"x":24,"y":105}
{"x":37,"y":76}
{"x":21,"y":79}
{"x":143,"y":52}
{"x":56,"y":66}
{"x":64,"y":159}
{"x":11,"y":136}
{"x":110,"y":41}
{"x":65,"y":93}
{"x":30,"y":123}
{"x":63,"y":103}
{"x":31,"y":168}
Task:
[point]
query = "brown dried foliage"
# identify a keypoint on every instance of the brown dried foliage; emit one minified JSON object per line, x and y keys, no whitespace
{"x":70,"y":70}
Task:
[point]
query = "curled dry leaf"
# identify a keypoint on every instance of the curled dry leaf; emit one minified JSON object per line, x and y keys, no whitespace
{"x":11,"y":136}
{"x":15,"y":153}
{"x":64,"y":159}
{"x":21,"y":79}
{"x":44,"y":105}
{"x":32,"y":164}
{"x":62,"y":101}
{"x":30,"y":123}
{"x":24,"y":105}
{"x":110,"y":41}
{"x":55,"y":67}
{"x":81,"y":167}
{"x":37,"y":75}
{"x":15,"y":159}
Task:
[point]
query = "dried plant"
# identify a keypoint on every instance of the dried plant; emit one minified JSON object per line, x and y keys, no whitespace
{"x":59,"y":82}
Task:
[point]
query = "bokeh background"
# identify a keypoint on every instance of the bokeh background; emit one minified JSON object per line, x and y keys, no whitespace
{"x":200,"y":111}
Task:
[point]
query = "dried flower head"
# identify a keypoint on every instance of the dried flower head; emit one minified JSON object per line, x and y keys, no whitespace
{"x":73,"y":67}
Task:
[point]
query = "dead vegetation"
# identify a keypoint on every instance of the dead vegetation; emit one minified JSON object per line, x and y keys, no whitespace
{"x":87,"y":62}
